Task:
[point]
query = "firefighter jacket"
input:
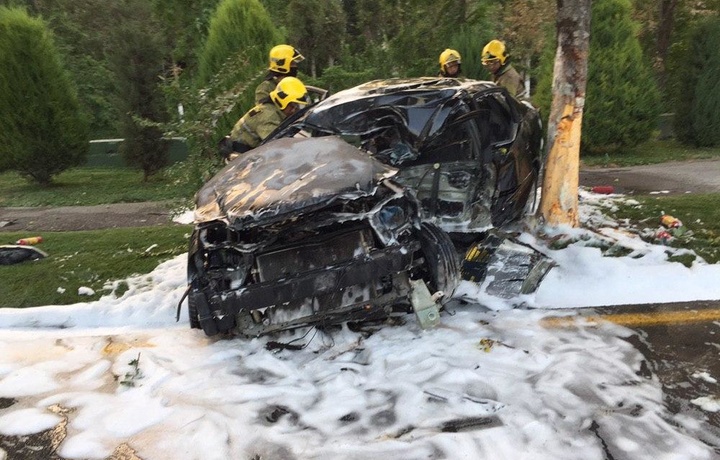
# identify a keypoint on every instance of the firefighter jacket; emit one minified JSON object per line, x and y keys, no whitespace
{"x":509,"y":78}
{"x":263,"y":90}
{"x":257,"y":124}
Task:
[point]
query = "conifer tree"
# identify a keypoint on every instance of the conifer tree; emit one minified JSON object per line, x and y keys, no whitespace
{"x":622,"y":99}
{"x":697,"y":107}
{"x":240,"y":31}
{"x":137,"y":63}
{"x":41,"y":130}
{"x":622,"y":104}
{"x":238,"y":28}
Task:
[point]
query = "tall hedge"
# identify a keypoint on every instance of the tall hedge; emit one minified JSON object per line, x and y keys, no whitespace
{"x":41,"y":130}
{"x":235,"y":56}
{"x":697,"y":102}
{"x":238,"y":27}
{"x":622,"y":96}
{"x":622,"y":99}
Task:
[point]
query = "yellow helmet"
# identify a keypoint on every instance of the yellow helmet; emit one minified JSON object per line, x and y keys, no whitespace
{"x":290,"y":89}
{"x":448,"y":56}
{"x":282,"y":57}
{"x":495,"y":49}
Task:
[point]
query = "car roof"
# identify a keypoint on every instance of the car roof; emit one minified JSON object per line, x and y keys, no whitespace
{"x":420,"y":104}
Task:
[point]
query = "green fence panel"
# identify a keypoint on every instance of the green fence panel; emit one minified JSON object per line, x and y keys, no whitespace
{"x":105,"y":152}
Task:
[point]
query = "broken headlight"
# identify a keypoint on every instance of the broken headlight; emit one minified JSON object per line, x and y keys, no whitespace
{"x":391,"y":218}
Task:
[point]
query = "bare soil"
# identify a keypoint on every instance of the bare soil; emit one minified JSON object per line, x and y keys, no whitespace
{"x":74,"y":218}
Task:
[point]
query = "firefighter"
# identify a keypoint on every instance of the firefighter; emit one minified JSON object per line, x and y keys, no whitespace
{"x":496,"y":61}
{"x":450,"y":62}
{"x":284,"y":60}
{"x":257,"y":124}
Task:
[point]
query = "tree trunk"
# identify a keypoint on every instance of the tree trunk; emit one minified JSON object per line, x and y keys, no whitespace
{"x":559,"y":201}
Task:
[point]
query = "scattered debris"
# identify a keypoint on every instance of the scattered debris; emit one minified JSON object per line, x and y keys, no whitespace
{"x":134,"y":374}
{"x":32,"y":240}
{"x":11,"y":254}
{"x":603,"y":189}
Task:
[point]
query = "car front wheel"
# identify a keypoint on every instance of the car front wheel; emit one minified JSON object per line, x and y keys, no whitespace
{"x":441,"y":272}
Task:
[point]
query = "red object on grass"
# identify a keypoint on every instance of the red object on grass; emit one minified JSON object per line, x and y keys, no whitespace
{"x":603,"y":189}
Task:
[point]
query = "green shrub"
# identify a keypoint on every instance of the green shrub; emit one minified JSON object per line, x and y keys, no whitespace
{"x":469,"y":41}
{"x":238,"y":26}
{"x":208,"y":116}
{"x":234,"y":57}
{"x":41,"y":128}
{"x":622,"y":99}
{"x":316,"y":27}
{"x":697,"y":108}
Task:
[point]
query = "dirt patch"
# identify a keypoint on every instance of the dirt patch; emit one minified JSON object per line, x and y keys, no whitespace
{"x":74,"y":218}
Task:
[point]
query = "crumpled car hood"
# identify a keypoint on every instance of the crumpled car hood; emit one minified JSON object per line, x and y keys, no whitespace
{"x":287,"y":175}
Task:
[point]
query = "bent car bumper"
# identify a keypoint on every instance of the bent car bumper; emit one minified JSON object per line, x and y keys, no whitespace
{"x":224,"y":311}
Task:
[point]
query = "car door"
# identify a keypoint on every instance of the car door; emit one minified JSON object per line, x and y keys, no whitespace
{"x":449,"y":177}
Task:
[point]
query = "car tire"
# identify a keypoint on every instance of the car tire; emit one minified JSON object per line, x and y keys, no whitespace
{"x":443,"y":273}
{"x":193,"y":311}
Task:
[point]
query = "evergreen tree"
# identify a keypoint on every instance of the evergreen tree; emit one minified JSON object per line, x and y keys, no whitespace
{"x":41,"y":130}
{"x":235,"y":57}
{"x":697,"y":100}
{"x":185,"y":24}
{"x":238,"y":28}
{"x":137,"y":62}
{"x":622,"y":104}
{"x":317,"y":28}
{"x":622,"y":99}
{"x":81,"y":32}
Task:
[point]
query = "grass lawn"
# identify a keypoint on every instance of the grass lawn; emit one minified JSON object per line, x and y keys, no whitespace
{"x":87,"y":186}
{"x":699,"y":214}
{"x":651,"y":152}
{"x":87,"y":259}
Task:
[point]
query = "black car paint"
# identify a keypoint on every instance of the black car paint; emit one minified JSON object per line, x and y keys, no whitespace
{"x":456,"y":155}
{"x":471,"y":152}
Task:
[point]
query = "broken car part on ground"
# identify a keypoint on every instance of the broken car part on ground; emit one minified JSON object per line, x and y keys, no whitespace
{"x":346,"y":212}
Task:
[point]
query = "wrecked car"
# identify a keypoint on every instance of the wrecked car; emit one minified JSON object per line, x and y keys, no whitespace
{"x":470,"y":151}
{"x":312,"y":232}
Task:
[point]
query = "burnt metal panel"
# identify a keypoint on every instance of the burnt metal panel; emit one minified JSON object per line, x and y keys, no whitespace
{"x":287,"y":175}
{"x":326,"y":280}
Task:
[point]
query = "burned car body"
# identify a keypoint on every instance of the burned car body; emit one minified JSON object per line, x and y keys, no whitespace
{"x":470,"y":151}
{"x":302,"y":232}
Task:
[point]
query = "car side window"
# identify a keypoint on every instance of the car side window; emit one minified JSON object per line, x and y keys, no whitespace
{"x":458,"y":141}
{"x":495,"y":120}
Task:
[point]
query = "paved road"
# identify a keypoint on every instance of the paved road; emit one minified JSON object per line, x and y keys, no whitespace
{"x":700,"y":176}
{"x":681,"y":343}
